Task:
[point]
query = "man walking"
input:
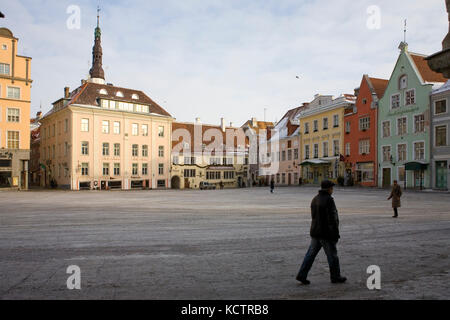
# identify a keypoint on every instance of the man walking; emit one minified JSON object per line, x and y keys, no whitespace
{"x":272,"y":185}
{"x":324,"y":233}
{"x":395,"y":195}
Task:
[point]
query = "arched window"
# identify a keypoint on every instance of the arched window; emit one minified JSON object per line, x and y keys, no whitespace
{"x":134,"y":96}
{"x":103,"y":91}
{"x":403,"y":82}
{"x":119,"y":94}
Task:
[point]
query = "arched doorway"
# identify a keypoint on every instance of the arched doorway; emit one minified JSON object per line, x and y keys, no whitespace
{"x":175,"y":182}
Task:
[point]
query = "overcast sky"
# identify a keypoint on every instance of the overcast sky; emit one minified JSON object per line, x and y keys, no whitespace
{"x":222,"y":58}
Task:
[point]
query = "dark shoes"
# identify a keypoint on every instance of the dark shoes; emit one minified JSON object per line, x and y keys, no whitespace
{"x":302,"y":280}
{"x":339,"y":280}
{"x":394,"y":216}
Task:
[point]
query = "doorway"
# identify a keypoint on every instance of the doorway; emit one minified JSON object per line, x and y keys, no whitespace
{"x":386,"y":177}
{"x":441,"y":174}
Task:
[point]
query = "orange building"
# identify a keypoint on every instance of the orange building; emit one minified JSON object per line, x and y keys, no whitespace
{"x":15,"y":90}
{"x":360,"y":139}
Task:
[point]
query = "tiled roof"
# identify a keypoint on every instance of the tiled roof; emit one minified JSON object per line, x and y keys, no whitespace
{"x":89,"y":93}
{"x":190,"y":128}
{"x":379,"y":86}
{"x":427,"y":74}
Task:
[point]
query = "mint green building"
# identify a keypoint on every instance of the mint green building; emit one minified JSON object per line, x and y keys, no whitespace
{"x":403,"y":137}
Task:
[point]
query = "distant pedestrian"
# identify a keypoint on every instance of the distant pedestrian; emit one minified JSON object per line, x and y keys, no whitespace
{"x":324,"y":233}
{"x":395,"y":195}
{"x":272,"y":185}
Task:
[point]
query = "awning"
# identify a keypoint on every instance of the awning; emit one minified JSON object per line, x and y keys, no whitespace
{"x":314,"y":162}
{"x":416,"y":166}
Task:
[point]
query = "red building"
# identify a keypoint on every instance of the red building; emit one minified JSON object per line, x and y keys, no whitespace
{"x":360,"y":140}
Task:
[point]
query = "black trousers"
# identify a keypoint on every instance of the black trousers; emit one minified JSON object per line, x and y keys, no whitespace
{"x":329,"y":247}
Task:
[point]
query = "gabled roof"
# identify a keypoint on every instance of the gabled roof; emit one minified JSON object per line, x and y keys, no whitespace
{"x":89,"y":93}
{"x":379,"y":86}
{"x":424,"y":69}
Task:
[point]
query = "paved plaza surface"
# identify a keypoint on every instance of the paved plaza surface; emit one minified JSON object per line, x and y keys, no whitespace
{"x":218,"y":244}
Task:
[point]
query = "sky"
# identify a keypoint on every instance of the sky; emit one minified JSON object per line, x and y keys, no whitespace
{"x":212,"y":59}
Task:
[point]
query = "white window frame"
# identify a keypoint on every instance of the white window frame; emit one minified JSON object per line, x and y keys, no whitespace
{"x":406,"y":151}
{"x":347,"y":149}
{"x":446,"y":135}
{"x":334,"y":147}
{"x":406,"y":125}
{"x":399,"y":99}
{"x":144,"y":132}
{"x":390,"y":128}
{"x":336,"y":123}
{"x":84,"y":124}
{"x":327,"y":149}
{"x":13,"y":87}
{"x":414,"y":150}
{"x":116,"y":127}
{"x":105,"y":126}
{"x":7,"y":114}
{"x":446,"y":106}
{"x":7,"y":138}
{"x":398,"y":174}
{"x":364,"y":147}
{"x":382,"y":153}
{"x":415,"y":100}
{"x":414,"y":123}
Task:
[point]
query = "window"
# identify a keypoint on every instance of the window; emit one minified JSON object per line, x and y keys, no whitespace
{"x":419,"y":150}
{"x":364,"y":123}
{"x":283,"y":155}
{"x":53,"y":129}
{"x":316,"y":150}
{"x":410,"y":97}
{"x":336,"y":147}
{"x":401,"y":152}
{"x":441,"y":136}
{"x":347,"y":127}
{"x":295,"y":154}
{"x":116,"y":128}
{"x":105,"y":149}
{"x":440,"y":107}
{"x":160,"y":131}
{"x":4,"y":47}
{"x":395,"y":101}
{"x":54,"y":151}
{"x":419,"y":123}
{"x":134,"y":96}
{"x":325,"y":123}
{"x":347,"y":149}
{"x":227,"y":161}
{"x":13,"y":93}
{"x":106,"y":169}
{"x":307,"y":152}
{"x":364,"y":147}
{"x":103,"y":91}
{"x":386,"y":129}
{"x":4,"y":69}
{"x":145,"y":130}
{"x":403,"y":82}
{"x":189,"y":173}
{"x":228,"y":175}
{"x":145,"y":150}
{"x":13,"y":115}
{"x":401,"y":174}
{"x":325,"y":148}
{"x":401,"y":126}
{"x":289,"y":155}
{"x":283,"y":178}
{"x":84,"y":148}
{"x":134,"y":169}
{"x":144,"y":169}
{"x":316,"y":125}
{"x":161,"y":151}
{"x":66,"y":125}
{"x":84,"y":125}
{"x":336,"y":120}
{"x":213,"y":175}
{"x":135,"y":150}
{"x":117,"y":169}
{"x":13,"y":140}
{"x":386,"y":153}
{"x":66,"y":148}
{"x":176,"y":160}
{"x":119,"y":94}
{"x":117,"y":149}
{"x":161,"y":169}
{"x":364,"y":172}
{"x":85,"y":169}
{"x":134,"y":129}
{"x":214,"y":161}
{"x":105,"y":126}
{"x":306,"y":127}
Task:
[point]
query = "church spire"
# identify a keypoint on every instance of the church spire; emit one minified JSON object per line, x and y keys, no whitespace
{"x":96,"y":73}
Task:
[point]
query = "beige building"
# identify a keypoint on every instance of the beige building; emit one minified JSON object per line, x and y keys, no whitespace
{"x":15,"y":89}
{"x":100,"y":136}
{"x":207,"y":153}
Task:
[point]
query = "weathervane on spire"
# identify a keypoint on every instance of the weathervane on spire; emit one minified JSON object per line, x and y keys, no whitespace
{"x":404,"y":33}
{"x":98,"y":16}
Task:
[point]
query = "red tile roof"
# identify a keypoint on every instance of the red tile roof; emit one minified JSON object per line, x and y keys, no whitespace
{"x":427,"y":74}
{"x":379,"y":86}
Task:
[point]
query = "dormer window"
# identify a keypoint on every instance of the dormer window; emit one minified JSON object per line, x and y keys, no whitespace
{"x":103,"y":91}
{"x":119,"y":94}
{"x":134,"y":96}
{"x":403,"y":82}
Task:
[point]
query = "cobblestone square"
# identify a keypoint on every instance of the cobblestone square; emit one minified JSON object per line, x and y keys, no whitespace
{"x":218,"y":244}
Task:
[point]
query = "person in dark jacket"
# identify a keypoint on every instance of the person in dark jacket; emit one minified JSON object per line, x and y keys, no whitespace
{"x":272,"y":185}
{"x":324,"y":233}
{"x":395,"y":195}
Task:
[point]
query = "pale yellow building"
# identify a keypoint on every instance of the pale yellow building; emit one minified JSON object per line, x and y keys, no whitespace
{"x":217,"y":155}
{"x":100,"y":136}
{"x":15,"y":90}
{"x":322,"y":132}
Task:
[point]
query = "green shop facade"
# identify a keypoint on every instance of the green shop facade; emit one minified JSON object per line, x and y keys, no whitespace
{"x":404,"y":122}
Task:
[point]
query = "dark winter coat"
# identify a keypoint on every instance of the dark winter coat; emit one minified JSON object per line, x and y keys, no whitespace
{"x":325,"y":219}
{"x":395,"y":195}
{"x":272,"y":184}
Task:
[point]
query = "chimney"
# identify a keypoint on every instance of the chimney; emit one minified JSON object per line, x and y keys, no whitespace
{"x":197,"y":120}
{"x":66,"y":92}
{"x":39,"y":115}
{"x":231,"y":124}
{"x":222,"y":124}
{"x":254,"y":122}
